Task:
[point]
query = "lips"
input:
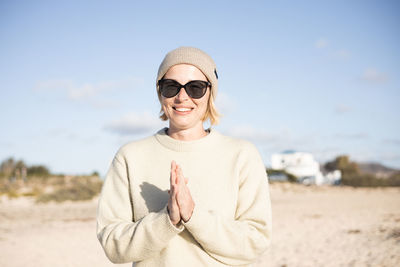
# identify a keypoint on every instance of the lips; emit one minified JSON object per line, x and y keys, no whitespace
{"x":182,"y":110}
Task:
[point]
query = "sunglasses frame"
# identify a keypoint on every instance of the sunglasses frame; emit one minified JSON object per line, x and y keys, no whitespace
{"x":160,"y":82}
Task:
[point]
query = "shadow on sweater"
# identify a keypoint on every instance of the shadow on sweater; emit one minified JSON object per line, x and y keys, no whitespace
{"x":154,"y":197}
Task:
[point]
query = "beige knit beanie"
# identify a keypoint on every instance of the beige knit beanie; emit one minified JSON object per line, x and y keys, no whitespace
{"x":192,"y":56}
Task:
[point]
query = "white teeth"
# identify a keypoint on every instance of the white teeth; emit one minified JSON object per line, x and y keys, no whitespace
{"x":183,"y":109}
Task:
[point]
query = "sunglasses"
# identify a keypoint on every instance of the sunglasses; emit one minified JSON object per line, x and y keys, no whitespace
{"x":195,"y":89}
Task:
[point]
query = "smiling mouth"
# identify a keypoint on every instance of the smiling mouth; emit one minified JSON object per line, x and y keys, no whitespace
{"x":182,"y":109}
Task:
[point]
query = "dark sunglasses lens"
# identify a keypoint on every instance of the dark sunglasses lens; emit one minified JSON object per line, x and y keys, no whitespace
{"x":196,"y":89}
{"x":169,"y":88}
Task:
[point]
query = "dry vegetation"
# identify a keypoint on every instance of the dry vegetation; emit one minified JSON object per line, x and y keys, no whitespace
{"x":19,"y":179}
{"x":53,"y":188}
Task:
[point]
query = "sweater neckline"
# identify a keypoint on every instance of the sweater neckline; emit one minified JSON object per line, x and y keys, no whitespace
{"x":178,"y":145}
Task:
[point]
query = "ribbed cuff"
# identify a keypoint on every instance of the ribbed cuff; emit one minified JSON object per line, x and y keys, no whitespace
{"x":174,"y":228}
{"x":197,"y":220}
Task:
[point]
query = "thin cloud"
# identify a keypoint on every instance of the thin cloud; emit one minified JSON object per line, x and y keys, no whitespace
{"x":56,"y":132}
{"x":374,"y":76}
{"x":251,"y":133}
{"x":105,"y":103}
{"x":92,"y":90}
{"x":352,"y":136}
{"x":134,"y":123}
{"x":52,"y":85}
{"x":325,"y":154}
{"x":341,"y":109}
{"x":389,"y":156}
{"x":85,"y":91}
{"x":391,"y":141}
{"x":321,"y":43}
{"x":342,"y":54}
{"x":94,"y":93}
{"x":225,"y":104}
{"x":276,"y":140}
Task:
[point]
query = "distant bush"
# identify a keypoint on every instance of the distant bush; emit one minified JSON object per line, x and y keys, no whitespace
{"x":39,"y":171}
{"x":80,"y":188}
{"x":291,"y":177}
{"x":343,"y":163}
{"x":370,"y":180}
{"x":394,"y":180}
{"x":35,"y":192}
{"x":366,"y":180}
{"x":7,"y":167}
{"x":9,"y":190}
{"x":19,"y":179}
{"x":352,"y":176}
{"x":12,"y":193}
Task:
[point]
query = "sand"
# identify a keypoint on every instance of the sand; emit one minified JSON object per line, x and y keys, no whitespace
{"x":312,"y":226}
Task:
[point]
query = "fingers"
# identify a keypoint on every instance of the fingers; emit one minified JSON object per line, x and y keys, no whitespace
{"x":173,"y":210}
{"x":173,"y":173}
{"x":183,"y":196}
{"x":180,"y":178}
{"x":179,"y":171}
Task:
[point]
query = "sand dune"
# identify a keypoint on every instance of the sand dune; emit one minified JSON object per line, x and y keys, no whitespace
{"x":313,"y":226}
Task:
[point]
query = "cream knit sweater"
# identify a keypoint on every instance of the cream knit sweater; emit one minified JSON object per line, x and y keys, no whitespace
{"x":231,"y":221}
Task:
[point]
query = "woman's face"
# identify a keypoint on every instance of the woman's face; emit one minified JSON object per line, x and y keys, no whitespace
{"x":183,"y":111}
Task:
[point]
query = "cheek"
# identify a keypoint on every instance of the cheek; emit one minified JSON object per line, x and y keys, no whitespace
{"x":205,"y":101}
{"x":203,"y":106}
{"x":165,"y":106}
{"x":165,"y":103}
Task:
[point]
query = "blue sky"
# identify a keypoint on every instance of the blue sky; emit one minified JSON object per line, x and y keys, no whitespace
{"x":78,"y":77}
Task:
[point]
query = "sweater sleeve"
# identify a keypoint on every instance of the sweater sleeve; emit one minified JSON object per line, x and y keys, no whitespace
{"x":240,"y":240}
{"x":122,"y":239}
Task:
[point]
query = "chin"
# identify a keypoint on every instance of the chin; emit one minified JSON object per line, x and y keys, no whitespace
{"x":184,"y":124}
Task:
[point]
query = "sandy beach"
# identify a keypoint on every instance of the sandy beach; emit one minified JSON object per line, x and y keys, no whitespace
{"x":312,"y":226}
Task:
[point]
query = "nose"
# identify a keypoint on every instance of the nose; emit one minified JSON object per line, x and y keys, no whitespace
{"x":182,"y":95}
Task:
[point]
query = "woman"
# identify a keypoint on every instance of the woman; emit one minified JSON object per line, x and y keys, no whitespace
{"x":185,"y":196}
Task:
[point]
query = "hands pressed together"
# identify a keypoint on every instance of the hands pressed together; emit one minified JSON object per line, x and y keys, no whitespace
{"x":180,"y":203}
